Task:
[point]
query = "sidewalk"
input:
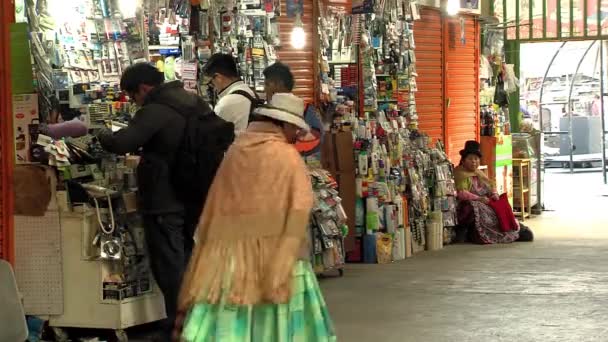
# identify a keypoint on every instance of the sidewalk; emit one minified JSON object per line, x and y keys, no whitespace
{"x":554,"y":289}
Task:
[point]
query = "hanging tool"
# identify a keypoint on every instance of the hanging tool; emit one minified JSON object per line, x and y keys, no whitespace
{"x":463,"y":39}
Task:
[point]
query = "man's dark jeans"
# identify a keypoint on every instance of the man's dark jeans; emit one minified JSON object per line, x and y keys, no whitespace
{"x":169,"y":247}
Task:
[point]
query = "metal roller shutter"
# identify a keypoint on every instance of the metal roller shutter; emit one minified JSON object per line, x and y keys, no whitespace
{"x":461,"y":84}
{"x":301,"y":61}
{"x":6,"y":144}
{"x":429,"y":64}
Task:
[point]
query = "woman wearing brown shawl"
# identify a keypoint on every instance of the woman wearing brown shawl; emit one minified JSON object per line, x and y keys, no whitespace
{"x":249,"y":278}
{"x":477,"y":218}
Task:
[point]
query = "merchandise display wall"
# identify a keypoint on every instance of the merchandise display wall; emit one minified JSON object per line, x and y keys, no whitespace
{"x":339,"y":99}
{"x":447,"y":60}
{"x":404,"y":187}
{"x":408,"y":99}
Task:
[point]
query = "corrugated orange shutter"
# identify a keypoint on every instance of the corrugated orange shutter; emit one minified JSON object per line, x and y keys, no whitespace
{"x":429,"y":64}
{"x":6,"y":144}
{"x":461,"y":84}
{"x":301,"y":61}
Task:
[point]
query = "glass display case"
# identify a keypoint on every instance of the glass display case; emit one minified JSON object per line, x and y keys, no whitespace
{"x":527,"y":146}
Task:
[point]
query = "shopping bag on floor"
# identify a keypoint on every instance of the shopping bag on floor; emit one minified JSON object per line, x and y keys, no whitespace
{"x":504,"y":212}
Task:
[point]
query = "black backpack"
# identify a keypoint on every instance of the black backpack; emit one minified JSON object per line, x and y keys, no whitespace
{"x":255,"y":101}
{"x":205,"y":141}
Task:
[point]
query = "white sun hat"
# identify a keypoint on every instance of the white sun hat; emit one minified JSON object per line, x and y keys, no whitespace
{"x":285,"y":107}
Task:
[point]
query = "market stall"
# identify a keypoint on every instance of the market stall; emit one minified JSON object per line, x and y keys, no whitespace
{"x":403,"y":190}
{"x":497,"y":82}
{"x":81,"y":258}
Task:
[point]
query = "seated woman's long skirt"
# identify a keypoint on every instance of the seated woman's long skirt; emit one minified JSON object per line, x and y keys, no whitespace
{"x":482,"y":224}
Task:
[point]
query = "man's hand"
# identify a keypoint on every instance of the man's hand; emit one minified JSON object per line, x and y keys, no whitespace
{"x":179,"y":326}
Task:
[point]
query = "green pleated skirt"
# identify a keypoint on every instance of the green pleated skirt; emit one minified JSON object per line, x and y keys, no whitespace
{"x":304,"y":319}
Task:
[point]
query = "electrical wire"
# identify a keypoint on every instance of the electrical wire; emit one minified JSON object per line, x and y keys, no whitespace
{"x":101,"y":225}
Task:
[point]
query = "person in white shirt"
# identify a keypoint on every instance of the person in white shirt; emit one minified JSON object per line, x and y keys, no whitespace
{"x":233,"y":103}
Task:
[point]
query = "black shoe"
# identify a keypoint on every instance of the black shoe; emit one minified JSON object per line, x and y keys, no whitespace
{"x":460,"y":235}
{"x":525,"y":234}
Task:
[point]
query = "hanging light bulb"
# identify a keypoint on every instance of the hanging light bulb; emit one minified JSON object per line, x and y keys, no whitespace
{"x":298,"y":36}
{"x":452,"y":7}
{"x":128,"y":8}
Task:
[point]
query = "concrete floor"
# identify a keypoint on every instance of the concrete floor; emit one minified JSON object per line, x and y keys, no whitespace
{"x":554,"y":289}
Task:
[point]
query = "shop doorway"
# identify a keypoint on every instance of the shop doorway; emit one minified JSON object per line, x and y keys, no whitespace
{"x":563,"y":96}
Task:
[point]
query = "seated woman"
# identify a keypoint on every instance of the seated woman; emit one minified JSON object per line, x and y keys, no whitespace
{"x":477,"y":216}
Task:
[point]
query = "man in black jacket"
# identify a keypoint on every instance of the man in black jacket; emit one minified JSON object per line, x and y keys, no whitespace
{"x":158,"y":128}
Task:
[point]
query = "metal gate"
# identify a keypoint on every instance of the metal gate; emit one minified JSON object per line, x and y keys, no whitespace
{"x":565,"y":134}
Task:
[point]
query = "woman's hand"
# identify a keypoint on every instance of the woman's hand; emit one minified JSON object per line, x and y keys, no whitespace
{"x":495,"y":197}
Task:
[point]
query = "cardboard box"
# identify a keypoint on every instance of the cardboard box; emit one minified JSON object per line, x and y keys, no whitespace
{"x":25,"y":122}
{"x":337,"y":152}
{"x":130,"y":200}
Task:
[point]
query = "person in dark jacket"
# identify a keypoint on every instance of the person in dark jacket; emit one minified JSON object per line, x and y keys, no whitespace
{"x":157,"y":130}
{"x":278,"y":79}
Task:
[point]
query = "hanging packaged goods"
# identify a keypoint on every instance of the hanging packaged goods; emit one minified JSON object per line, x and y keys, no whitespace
{"x":328,"y":224}
{"x":404,"y":189}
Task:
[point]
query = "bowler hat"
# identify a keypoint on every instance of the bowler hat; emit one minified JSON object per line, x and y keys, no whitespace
{"x":471,"y":147}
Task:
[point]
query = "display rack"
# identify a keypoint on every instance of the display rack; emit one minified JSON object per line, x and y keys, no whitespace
{"x":527,"y":146}
{"x":522,"y":170}
{"x":94,"y":300}
{"x":65,"y":273}
{"x":404,"y":187}
{"x":327,"y":225}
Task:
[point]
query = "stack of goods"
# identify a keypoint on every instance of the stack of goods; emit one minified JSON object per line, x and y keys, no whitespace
{"x":443,"y":189}
{"x":392,"y":192}
{"x":419,"y":168}
{"x":328,"y":223}
{"x":488,"y":119}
